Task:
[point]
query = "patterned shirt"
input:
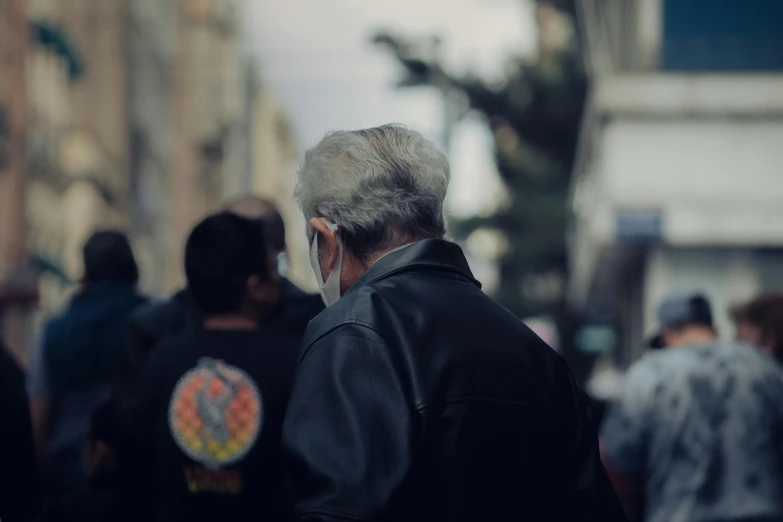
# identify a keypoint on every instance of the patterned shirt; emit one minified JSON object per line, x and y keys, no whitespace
{"x":703,"y":426}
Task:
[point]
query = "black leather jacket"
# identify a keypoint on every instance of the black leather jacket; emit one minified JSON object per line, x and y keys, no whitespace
{"x":419,"y":398}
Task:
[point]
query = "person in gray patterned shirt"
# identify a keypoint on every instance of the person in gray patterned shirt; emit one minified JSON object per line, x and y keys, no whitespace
{"x":700,"y":424}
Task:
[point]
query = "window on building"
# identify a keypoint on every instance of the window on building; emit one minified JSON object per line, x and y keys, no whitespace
{"x":722,"y":36}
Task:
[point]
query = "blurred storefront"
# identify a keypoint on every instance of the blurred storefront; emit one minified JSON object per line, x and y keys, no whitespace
{"x":677,"y":185}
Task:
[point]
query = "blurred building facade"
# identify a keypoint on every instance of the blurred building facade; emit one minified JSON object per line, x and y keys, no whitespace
{"x":274,"y":160}
{"x":143,"y":115}
{"x":677,"y":184}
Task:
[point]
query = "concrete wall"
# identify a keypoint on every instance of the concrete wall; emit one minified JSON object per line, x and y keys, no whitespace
{"x":717,"y":182}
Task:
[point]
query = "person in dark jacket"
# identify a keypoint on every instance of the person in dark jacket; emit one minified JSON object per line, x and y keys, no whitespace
{"x":417,"y":397}
{"x":19,"y":481}
{"x":159,"y":321}
{"x":76,"y":367}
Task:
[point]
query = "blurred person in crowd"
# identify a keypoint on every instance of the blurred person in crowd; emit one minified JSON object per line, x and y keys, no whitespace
{"x":214,"y":398}
{"x":759,"y":323}
{"x":697,"y":428}
{"x":109,"y":498}
{"x":417,"y":397}
{"x":74,"y":371}
{"x":19,"y":483}
{"x":158,"y":321}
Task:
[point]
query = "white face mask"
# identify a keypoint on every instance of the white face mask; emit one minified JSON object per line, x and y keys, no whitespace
{"x":330,"y":290}
{"x":282,"y":264}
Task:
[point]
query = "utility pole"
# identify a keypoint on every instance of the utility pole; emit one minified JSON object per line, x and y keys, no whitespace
{"x":14,"y":35}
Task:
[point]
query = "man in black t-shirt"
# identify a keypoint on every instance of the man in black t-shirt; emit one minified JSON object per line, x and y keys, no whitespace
{"x":213,"y":399}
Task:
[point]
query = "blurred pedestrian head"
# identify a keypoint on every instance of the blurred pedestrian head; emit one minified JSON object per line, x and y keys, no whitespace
{"x":760,"y":323}
{"x":227,"y":266}
{"x":684,"y":319}
{"x":262,"y":209}
{"x":264,"y":212}
{"x":367,"y":192}
{"x":108,"y":257}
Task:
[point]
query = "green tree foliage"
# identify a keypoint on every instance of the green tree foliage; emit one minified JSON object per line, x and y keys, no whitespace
{"x":535,"y":117}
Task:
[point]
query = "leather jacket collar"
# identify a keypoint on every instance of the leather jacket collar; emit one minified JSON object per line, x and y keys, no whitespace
{"x":430,"y":254}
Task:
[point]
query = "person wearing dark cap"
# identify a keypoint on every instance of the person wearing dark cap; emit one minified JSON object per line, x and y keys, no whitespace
{"x":684,"y":319}
{"x":698,"y":424}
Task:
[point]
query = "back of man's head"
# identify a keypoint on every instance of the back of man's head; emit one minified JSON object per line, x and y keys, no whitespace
{"x":108,"y":257}
{"x":260,"y":209}
{"x":384,"y":187}
{"x":222,"y":253}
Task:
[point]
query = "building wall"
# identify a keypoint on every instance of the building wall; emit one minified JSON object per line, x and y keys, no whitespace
{"x":273,"y":176}
{"x":99,"y":101}
{"x":67,"y":169}
{"x":119,"y":124}
{"x":716,"y":181}
{"x":151,"y":48}
{"x":727,"y":276}
{"x":208,"y":111}
{"x":676,"y":164}
{"x":725,"y":38}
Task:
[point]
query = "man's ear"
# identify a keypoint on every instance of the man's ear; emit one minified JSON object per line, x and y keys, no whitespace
{"x":327,"y":245}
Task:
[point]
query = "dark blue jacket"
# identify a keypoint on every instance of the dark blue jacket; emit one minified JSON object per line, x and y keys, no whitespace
{"x":80,"y":353}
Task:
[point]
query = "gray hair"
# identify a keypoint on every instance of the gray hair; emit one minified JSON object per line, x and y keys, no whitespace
{"x":383,"y":186}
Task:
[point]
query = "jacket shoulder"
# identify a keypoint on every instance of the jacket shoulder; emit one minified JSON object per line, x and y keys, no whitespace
{"x":343,"y":312}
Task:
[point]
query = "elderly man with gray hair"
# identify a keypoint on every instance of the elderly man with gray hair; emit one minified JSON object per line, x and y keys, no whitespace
{"x":417,"y":397}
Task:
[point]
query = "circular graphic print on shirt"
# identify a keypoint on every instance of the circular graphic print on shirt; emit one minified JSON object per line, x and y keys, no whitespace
{"x":215,"y":413}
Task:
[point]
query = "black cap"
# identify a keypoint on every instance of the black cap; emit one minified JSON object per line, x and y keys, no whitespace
{"x":680,"y":310}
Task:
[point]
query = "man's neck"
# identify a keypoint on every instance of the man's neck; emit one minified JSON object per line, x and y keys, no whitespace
{"x":230,"y":322}
{"x":695,"y":337}
{"x":385,"y":253}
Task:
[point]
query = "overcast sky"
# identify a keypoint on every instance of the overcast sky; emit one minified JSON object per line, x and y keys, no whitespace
{"x":318,"y":61}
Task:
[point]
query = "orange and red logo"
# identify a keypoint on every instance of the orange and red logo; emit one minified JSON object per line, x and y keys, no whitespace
{"x":215,"y":413}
